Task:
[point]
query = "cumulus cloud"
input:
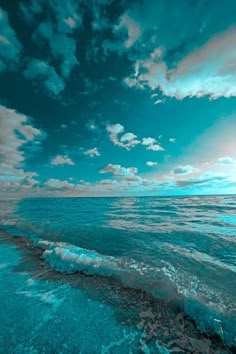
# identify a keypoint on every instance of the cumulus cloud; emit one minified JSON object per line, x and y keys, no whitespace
{"x":127,"y":140}
{"x":134,"y":82}
{"x":207,"y":70}
{"x":172,"y":140}
{"x":18,"y":182}
{"x":125,"y":180}
{"x":151,"y":163}
{"x":92,"y":152}
{"x":183,"y":170}
{"x":64,"y":188}
{"x":119,"y":171}
{"x":62,"y":47}
{"x":10,"y":47}
{"x":227,"y":160}
{"x":128,"y":137}
{"x":46,"y":75}
{"x":16,"y":132}
{"x":197,"y":61}
{"x":61,"y":160}
{"x":53,"y":183}
{"x":130,"y":140}
{"x":53,"y":26}
{"x":56,"y":27}
{"x":151,"y":144}
{"x":115,"y":130}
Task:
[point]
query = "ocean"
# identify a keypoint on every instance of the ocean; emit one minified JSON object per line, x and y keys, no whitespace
{"x":118,"y":275}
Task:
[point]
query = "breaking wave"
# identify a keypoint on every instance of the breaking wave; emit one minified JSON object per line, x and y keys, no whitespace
{"x":164,"y":283}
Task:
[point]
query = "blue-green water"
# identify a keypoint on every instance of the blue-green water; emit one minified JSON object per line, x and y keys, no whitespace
{"x":118,"y":275}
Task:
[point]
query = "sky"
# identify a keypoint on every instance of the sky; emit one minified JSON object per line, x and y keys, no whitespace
{"x":117,"y":98}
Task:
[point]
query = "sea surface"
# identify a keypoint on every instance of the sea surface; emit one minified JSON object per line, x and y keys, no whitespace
{"x":118,"y":275}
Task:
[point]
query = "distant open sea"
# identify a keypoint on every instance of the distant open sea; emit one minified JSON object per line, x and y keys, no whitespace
{"x":118,"y":275}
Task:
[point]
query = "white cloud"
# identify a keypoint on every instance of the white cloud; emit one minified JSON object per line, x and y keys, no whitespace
{"x":128,"y":137}
{"x":172,"y":140}
{"x":64,"y":188}
{"x":53,"y":183}
{"x":151,"y":144}
{"x":208,"y":70}
{"x":114,"y":131}
{"x":16,"y":131}
{"x":119,"y":171}
{"x":148,"y":141}
{"x":227,"y":160}
{"x":184,"y":170}
{"x":125,"y":180}
{"x":159,"y":101}
{"x":133,"y":82}
{"x":132,"y":28}
{"x":92,"y":152}
{"x":127,"y":140}
{"x":154,"y":95}
{"x":155,"y":147}
{"x":130,"y":140}
{"x":151,"y":163}
{"x":61,"y":160}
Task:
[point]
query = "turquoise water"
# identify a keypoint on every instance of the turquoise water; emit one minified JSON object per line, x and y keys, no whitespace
{"x":118,"y":275}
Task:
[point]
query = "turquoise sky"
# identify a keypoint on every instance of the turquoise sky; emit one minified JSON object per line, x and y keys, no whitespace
{"x":107,"y":98}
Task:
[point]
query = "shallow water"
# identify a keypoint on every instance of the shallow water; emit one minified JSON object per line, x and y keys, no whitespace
{"x":118,"y":275}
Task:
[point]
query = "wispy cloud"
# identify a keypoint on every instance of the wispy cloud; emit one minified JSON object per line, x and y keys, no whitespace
{"x":92,"y":152}
{"x":151,"y":163}
{"x":131,"y":27}
{"x":159,"y":101}
{"x":204,"y":179}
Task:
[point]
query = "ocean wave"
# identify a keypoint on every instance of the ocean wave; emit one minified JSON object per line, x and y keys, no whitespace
{"x":67,"y":258}
{"x":165,"y":283}
{"x":162,"y":283}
